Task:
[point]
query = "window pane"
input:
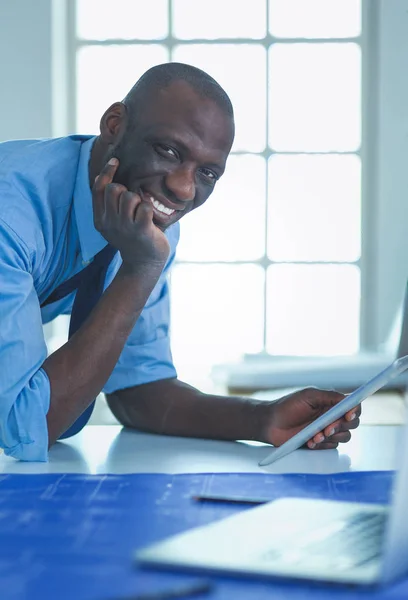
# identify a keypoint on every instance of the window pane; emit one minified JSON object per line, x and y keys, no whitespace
{"x":226,"y":19}
{"x":314,"y":208}
{"x":315,"y":97}
{"x":122,"y":65}
{"x":241,"y":70}
{"x":233,"y":217}
{"x":123,"y":19}
{"x":217,"y":313}
{"x":315,"y":18}
{"x":313,"y":309}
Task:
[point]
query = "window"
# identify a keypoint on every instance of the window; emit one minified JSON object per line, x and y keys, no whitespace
{"x":271,"y":263}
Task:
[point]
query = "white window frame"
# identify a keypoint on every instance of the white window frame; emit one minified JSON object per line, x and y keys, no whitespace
{"x":372,"y":328}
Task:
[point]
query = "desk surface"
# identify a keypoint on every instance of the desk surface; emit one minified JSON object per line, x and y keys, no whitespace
{"x":64,"y":537}
{"x":112,"y":449}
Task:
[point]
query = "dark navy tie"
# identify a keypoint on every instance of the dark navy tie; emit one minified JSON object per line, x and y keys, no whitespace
{"x":89,"y":284}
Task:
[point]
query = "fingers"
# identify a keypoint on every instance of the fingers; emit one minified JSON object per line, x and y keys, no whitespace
{"x":104,"y":178}
{"x":323,"y":446}
{"x":324,"y":399}
{"x":113,"y":199}
{"x":330,"y":443}
{"x":107,"y":173}
{"x":105,"y":194}
{"x":338,"y":432}
{"x":333,"y":428}
{"x":341,"y":425}
{"x":133,"y":207}
{"x":349,"y":421}
{"x":128,"y":205}
{"x":353,"y":413}
{"x":145,"y":212}
{"x":340,"y":438}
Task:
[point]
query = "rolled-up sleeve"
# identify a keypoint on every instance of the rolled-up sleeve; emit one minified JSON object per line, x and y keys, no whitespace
{"x":147,"y":354}
{"x":24,"y":385}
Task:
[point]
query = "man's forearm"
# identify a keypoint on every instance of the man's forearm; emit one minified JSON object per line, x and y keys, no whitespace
{"x":175,"y":408}
{"x":172,"y":407}
{"x":79,"y":369}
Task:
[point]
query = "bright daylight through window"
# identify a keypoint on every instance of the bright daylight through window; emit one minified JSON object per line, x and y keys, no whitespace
{"x":263,"y":266}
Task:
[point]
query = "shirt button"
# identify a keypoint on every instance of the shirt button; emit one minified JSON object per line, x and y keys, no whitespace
{"x":85,"y":263}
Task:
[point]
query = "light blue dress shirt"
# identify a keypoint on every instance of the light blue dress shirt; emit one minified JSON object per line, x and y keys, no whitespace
{"x":46,"y":236}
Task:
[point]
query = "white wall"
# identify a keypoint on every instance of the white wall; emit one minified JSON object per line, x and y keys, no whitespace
{"x":390,"y":232}
{"x":25,"y":69}
{"x":26,"y":110}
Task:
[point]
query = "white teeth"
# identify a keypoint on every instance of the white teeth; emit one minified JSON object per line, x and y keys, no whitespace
{"x":160,"y":207}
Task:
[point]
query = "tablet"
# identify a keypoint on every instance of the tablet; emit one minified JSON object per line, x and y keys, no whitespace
{"x":337,"y":411}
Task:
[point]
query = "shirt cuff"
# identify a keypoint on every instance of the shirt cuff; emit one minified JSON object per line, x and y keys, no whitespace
{"x":27,"y":422}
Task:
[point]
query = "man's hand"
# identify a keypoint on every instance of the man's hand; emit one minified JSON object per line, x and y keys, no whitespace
{"x":285,"y":417}
{"x":80,"y":368}
{"x":171,"y":407}
{"x":125,"y":220}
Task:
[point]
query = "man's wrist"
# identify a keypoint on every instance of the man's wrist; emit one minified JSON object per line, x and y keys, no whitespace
{"x":141,"y":269}
{"x":260,"y":419}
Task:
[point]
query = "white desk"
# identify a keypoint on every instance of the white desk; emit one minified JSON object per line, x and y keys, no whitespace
{"x":111,"y":449}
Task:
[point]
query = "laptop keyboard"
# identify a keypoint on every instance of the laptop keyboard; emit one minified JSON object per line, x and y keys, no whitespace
{"x":340,"y":545}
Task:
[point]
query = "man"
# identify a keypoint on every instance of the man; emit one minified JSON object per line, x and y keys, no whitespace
{"x":107,"y":208}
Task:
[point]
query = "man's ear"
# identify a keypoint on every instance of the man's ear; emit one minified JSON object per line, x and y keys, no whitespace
{"x":113,"y":123}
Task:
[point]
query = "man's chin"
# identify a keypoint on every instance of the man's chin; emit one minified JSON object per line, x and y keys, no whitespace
{"x":162,"y":225}
{"x":165,"y":224}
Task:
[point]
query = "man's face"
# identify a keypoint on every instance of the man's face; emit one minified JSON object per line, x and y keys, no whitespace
{"x":175,"y":153}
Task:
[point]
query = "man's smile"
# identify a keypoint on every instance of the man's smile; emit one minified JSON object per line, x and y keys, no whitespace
{"x":163,"y":209}
{"x":160,"y":207}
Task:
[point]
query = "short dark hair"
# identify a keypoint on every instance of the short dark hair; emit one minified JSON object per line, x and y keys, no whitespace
{"x":161,"y":76}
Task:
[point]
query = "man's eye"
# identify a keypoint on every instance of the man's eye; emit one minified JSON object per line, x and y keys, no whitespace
{"x":210,"y":175}
{"x":163,"y":149}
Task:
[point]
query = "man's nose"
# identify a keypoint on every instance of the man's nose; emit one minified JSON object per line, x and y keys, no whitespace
{"x":181,"y":182}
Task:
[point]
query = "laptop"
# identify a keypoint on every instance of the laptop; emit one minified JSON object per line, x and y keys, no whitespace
{"x":325,"y":540}
{"x":339,"y":372}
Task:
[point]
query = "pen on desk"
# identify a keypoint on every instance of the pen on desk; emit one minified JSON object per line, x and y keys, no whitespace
{"x":229,"y":499}
{"x":183,"y":591}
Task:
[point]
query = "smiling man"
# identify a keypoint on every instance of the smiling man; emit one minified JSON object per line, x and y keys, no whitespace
{"x":88,"y":227}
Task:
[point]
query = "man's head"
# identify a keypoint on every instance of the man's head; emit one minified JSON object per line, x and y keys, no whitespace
{"x":172,"y":135}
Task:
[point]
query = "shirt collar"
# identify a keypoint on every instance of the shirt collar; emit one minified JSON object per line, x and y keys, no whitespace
{"x":91,"y":241}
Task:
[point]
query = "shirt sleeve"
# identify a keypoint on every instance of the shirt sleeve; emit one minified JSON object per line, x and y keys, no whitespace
{"x":147,"y":355}
{"x":24,"y":385}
